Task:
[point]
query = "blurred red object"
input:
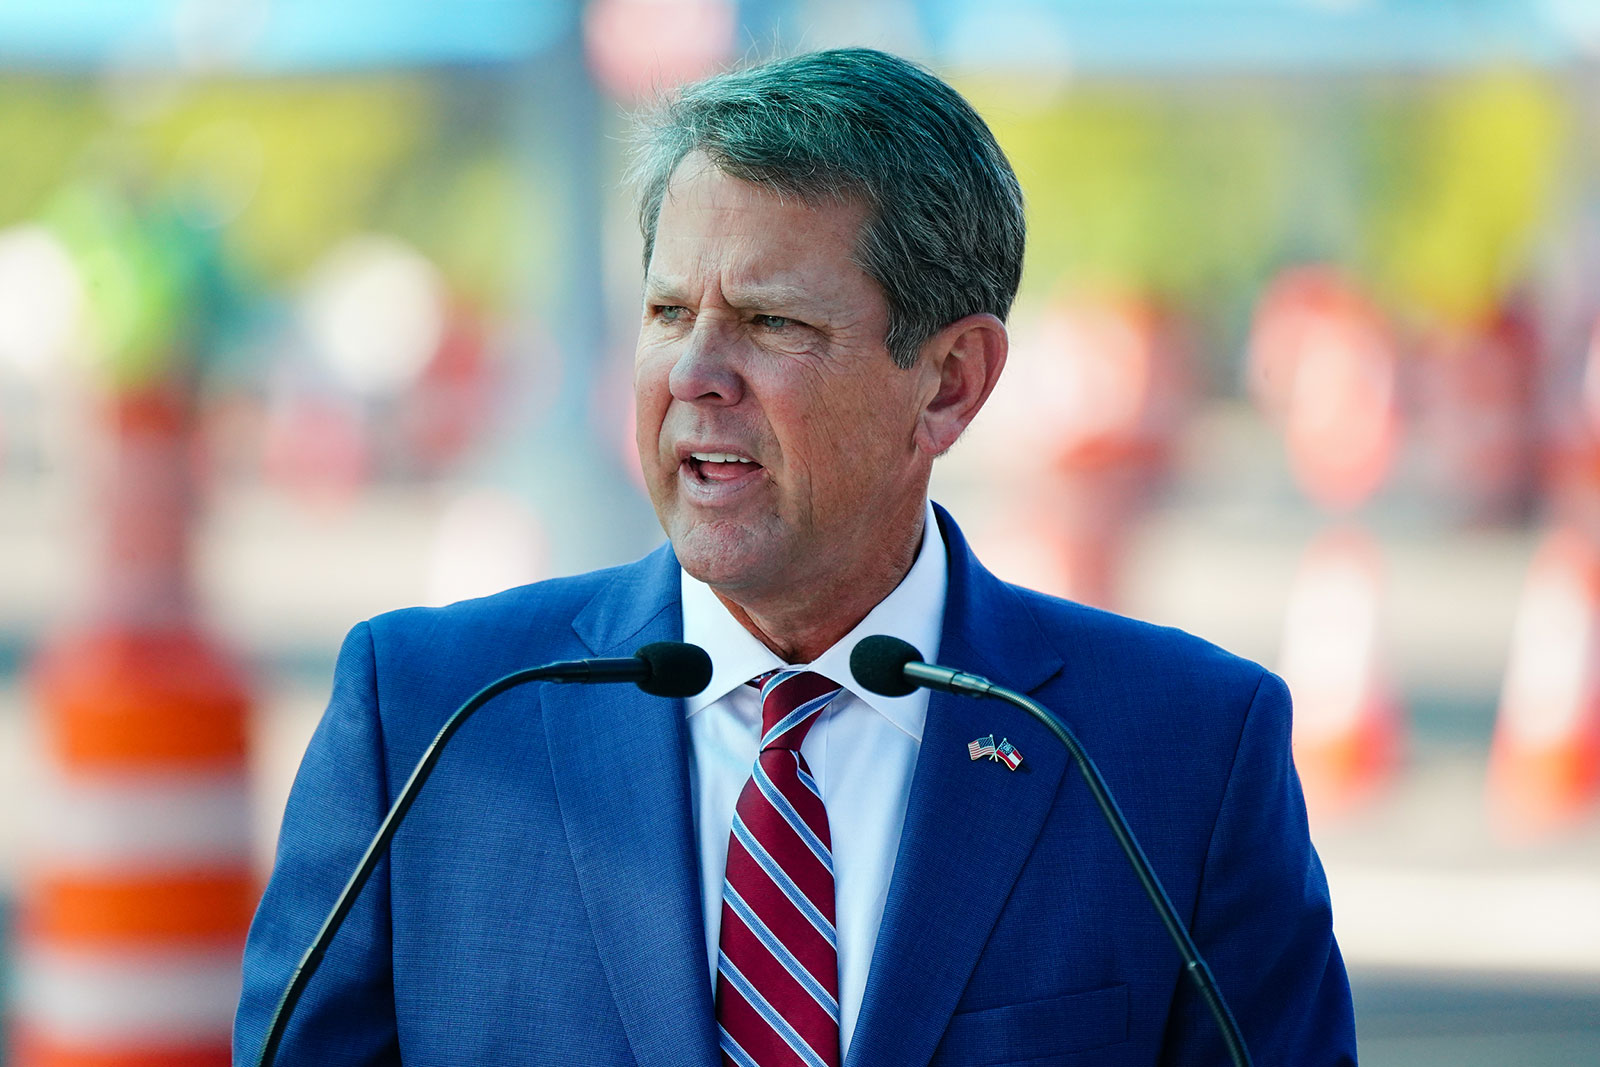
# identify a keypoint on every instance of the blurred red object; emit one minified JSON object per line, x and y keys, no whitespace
{"x":1324,"y":365}
{"x":1093,"y":414}
{"x":442,"y":414}
{"x":638,"y":48}
{"x":1544,"y":769}
{"x":1572,"y":455}
{"x":1475,"y":415}
{"x":317,"y":447}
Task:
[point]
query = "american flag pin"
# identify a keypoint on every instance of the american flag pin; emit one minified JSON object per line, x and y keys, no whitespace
{"x":983,"y":746}
{"x":1007,"y":753}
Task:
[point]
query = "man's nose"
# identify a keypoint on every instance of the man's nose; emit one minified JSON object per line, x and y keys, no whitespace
{"x":706,"y":370}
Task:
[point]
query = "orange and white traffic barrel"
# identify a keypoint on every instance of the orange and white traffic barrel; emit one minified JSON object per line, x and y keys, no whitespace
{"x":1544,"y":765}
{"x":139,"y":887}
{"x":1348,"y":720}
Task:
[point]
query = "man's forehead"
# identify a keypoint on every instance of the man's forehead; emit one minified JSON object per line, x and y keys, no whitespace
{"x":697,"y":181}
{"x":763,"y":247}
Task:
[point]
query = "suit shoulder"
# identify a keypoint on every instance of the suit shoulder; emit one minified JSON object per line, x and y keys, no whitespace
{"x":420,"y":662}
{"x":1145,"y":695}
{"x":1121,"y":645}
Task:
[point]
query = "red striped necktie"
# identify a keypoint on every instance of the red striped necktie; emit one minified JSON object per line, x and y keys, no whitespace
{"x":778,"y":964}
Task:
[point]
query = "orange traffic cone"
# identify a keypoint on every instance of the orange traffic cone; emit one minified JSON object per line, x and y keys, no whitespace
{"x":136,"y":900}
{"x":1544,"y":766}
{"x":1348,"y":722}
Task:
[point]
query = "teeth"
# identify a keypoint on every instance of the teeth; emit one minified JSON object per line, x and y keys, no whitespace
{"x":719,"y":457}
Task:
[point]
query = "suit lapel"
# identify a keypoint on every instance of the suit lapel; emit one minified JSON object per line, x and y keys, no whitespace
{"x":620,"y":763}
{"x":969,"y":825}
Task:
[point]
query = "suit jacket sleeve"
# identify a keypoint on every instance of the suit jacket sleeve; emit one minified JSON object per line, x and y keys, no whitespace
{"x":1262,"y":919}
{"x":340,"y":795}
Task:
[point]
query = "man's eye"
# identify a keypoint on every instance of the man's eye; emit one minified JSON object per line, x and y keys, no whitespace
{"x":773,"y":322}
{"x":669,"y":312}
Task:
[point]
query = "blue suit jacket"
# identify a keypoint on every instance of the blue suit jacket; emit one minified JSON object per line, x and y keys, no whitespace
{"x":540,"y":904}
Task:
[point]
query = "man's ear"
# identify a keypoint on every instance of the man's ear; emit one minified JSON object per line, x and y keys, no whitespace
{"x":965,"y":358}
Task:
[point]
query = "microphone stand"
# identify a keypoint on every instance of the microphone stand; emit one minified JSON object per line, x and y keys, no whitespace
{"x":1193,"y":963}
{"x":631,"y":669}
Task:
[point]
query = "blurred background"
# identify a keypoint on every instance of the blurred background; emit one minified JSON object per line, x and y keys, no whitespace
{"x":309,"y":311}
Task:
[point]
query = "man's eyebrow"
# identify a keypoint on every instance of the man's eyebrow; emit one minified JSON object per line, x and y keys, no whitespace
{"x":747,"y":297}
{"x":775,"y":294}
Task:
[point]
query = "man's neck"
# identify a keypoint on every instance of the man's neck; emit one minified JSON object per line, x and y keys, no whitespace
{"x":799,"y":629}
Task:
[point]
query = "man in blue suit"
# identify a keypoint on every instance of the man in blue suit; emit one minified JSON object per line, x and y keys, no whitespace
{"x":832,"y":243}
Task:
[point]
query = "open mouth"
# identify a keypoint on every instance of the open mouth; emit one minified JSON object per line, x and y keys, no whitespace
{"x":720,"y":466}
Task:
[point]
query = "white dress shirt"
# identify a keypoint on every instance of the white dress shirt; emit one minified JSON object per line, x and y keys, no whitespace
{"x":861,"y":751}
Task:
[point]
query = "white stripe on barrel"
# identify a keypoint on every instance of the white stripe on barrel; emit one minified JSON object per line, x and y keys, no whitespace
{"x":153,"y":995}
{"x":143,"y":820}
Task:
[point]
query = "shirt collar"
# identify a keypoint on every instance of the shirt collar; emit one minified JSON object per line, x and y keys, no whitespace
{"x":913,"y":612}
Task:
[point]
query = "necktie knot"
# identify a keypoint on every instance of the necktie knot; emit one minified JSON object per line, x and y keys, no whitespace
{"x":790,"y":702}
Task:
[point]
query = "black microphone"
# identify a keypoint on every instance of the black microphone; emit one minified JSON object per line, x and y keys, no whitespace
{"x":894,"y":668}
{"x":665,"y":668}
{"x":662,"y":669}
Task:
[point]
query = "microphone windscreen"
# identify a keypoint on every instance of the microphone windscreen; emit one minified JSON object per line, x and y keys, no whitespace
{"x":879,"y":664}
{"x":677,"y":669}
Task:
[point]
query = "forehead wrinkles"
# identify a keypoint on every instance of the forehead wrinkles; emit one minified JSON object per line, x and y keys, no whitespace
{"x":741,"y":283}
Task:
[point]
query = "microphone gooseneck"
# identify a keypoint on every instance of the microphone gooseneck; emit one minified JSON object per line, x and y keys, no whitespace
{"x":892,"y":667}
{"x":665,"y":668}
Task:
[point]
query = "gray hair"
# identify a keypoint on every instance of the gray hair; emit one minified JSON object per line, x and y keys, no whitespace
{"x":945,"y":230}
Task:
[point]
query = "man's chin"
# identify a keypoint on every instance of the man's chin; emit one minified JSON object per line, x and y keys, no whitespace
{"x":725,"y":556}
{"x":723,"y":573}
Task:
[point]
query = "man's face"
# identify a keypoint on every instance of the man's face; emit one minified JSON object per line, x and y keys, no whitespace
{"x":775,"y":431}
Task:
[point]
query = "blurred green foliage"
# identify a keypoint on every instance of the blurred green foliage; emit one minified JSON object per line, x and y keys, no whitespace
{"x":284,"y":169}
{"x":1144,"y":188}
{"x":1434,"y":190}
{"x":1463,"y":178}
{"x":45,"y":126}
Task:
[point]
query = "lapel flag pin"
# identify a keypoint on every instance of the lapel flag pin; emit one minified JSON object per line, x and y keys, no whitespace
{"x":1005,"y":752}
